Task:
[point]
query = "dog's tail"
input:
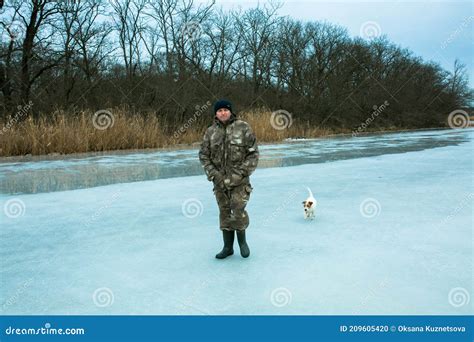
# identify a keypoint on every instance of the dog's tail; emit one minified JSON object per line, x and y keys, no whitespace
{"x":310,"y":193}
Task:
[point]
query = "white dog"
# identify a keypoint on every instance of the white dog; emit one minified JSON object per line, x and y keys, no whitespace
{"x":310,"y":206}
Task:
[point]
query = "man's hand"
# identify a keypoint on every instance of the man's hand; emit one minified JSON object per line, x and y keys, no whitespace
{"x":232,"y":181}
{"x":218,"y":180}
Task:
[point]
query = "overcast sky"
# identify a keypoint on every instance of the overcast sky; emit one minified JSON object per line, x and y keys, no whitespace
{"x":440,"y":31}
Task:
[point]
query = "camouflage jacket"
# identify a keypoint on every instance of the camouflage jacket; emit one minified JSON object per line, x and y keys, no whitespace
{"x":230,"y":149}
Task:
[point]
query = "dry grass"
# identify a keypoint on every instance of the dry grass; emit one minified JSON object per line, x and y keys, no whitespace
{"x":279,"y":127}
{"x":64,"y":134}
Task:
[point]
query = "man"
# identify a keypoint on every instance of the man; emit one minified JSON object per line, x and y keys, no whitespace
{"x":229,"y":155}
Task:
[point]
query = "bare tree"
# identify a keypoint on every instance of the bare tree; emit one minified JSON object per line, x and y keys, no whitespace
{"x":164,"y":12}
{"x":256,"y":27}
{"x":130,"y":25}
{"x":92,"y":39}
{"x":35,"y":46}
{"x":7,"y":63}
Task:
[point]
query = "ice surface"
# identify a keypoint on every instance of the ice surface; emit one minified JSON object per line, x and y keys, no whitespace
{"x":57,"y":173}
{"x":140,"y":248}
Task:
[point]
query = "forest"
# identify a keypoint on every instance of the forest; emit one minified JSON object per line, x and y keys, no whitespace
{"x":154,"y":66}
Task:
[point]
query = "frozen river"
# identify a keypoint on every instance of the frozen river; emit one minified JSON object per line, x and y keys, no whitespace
{"x":136,"y":233}
{"x":55,"y":173}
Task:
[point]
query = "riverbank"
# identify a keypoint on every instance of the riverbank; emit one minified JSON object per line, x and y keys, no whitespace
{"x":35,"y":174}
{"x":116,"y":132}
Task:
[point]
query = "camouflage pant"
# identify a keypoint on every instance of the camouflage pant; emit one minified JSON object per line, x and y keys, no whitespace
{"x":232,"y":203}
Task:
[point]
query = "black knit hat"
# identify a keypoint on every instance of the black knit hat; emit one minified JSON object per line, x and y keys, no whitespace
{"x":222,"y":104}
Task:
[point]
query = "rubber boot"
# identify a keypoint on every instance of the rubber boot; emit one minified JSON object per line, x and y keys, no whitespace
{"x":244,"y":248}
{"x":228,"y":245}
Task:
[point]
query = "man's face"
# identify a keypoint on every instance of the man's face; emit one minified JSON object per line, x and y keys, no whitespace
{"x":223,"y":114}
